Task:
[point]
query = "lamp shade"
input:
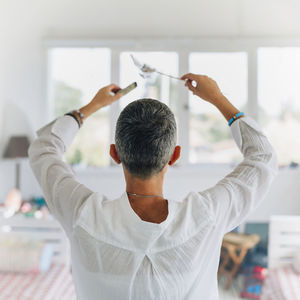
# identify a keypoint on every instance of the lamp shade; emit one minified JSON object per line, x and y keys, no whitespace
{"x":17,"y":147}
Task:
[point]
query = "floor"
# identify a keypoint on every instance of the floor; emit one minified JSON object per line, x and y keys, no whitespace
{"x":234,"y":291}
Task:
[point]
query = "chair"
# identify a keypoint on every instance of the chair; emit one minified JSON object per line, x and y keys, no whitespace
{"x":284,"y":240}
{"x":234,"y":249}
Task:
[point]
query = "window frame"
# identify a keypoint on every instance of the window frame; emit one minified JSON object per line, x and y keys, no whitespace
{"x":183,"y":47}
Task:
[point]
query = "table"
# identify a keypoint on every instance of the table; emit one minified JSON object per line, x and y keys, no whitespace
{"x":234,"y":249}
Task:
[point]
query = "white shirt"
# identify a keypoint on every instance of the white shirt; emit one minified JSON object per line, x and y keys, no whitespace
{"x":116,"y":255}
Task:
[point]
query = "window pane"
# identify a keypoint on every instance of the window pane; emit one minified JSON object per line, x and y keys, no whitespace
{"x":278,"y":95}
{"x":76,"y":74}
{"x":158,"y":87}
{"x":210,"y":136}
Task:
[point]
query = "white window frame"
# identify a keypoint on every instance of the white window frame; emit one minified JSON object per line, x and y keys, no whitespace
{"x":183,"y":47}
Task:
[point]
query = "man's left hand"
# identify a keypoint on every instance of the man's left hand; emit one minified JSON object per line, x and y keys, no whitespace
{"x":104,"y":97}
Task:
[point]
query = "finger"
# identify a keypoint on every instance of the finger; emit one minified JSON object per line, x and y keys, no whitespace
{"x":190,"y":76}
{"x":115,"y":90}
{"x":190,"y":86}
{"x":117,"y":96}
{"x":113,"y":87}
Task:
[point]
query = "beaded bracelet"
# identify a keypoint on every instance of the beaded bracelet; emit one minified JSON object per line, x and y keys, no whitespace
{"x":235,"y":117}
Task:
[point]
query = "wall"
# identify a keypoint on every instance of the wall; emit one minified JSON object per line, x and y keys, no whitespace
{"x":24,"y":25}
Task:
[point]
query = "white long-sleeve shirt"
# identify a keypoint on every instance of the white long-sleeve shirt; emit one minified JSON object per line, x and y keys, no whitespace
{"x":116,"y":255}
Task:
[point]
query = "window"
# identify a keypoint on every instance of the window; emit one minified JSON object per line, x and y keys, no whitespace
{"x":278,"y":96}
{"x":267,"y":89}
{"x":76,"y":74}
{"x":158,"y":87}
{"x":210,"y":139}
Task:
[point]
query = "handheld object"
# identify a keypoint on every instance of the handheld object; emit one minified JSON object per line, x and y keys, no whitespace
{"x":147,"y":71}
{"x":127,"y":89}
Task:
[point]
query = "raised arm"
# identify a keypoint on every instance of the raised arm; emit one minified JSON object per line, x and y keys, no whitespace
{"x":234,"y":197}
{"x":63,"y":193}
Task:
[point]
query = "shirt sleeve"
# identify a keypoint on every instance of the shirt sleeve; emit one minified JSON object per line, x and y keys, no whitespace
{"x":234,"y":197}
{"x":64,"y":195}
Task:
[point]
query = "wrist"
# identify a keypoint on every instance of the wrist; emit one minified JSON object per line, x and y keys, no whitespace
{"x":235,"y":117}
{"x":89,"y":109}
{"x":225,"y":107}
{"x":219,"y":100}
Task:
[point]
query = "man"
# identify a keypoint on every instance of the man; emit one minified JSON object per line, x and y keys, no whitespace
{"x":140,"y":245}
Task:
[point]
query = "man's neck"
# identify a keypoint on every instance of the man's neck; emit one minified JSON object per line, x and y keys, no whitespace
{"x":151,"y":209}
{"x":152,"y":186}
{"x":145,"y":188}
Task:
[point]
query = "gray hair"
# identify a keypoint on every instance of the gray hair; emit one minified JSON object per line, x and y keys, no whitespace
{"x":145,"y":137}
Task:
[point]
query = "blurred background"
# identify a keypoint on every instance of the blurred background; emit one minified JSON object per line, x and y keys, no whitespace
{"x":55,"y":55}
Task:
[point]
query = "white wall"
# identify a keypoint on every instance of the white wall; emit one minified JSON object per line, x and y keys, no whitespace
{"x":24,"y":25}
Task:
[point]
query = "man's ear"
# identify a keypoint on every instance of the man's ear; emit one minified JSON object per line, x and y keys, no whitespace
{"x":113,"y":153}
{"x":175,"y":155}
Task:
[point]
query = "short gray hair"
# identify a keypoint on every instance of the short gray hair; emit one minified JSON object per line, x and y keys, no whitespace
{"x":145,"y":137}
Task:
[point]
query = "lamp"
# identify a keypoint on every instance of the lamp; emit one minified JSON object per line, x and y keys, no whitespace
{"x":17,"y":148}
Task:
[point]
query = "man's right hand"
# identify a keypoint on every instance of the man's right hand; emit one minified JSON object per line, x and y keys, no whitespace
{"x":205,"y":87}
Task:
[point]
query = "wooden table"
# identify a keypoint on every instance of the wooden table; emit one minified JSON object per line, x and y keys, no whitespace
{"x":234,"y":249}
